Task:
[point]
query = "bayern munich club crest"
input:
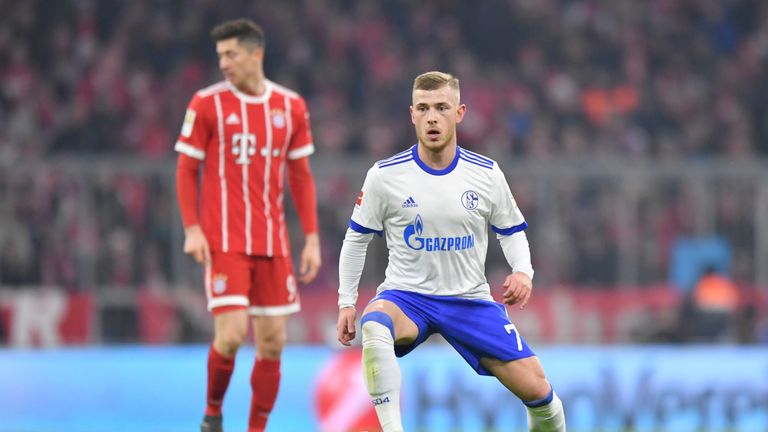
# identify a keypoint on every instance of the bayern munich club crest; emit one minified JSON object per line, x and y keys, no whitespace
{"x":278,"y":118}
{"x":219,"y":283}
{"x":470,"y":199}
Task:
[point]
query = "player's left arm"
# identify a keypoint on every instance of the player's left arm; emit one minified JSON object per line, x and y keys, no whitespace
{"x":509,"y":224}
{"x":519,"y":284}
{"x":302,"y":186}
{"x":301,"y":183}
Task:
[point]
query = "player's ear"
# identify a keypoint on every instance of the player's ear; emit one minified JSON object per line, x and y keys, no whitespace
{"x":253,"y":50}
{"x":258,"y":52}
{"x":413,"y":120}
{"x":460,"y":111}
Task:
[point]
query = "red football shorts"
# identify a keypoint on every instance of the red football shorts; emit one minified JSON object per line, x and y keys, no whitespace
{"x":263,"y":285}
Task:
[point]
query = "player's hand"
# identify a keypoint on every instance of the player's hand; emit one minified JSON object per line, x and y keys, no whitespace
{"x":518,"y":288}
{"x":196,"y":245}
{"x":310,"y":261}
{"x":345,"y":327}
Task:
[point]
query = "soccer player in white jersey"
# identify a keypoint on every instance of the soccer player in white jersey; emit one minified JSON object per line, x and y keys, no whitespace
{"x":434,"y":203}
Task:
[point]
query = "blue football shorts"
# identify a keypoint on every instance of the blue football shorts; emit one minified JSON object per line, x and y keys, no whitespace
{"x":475,"y":328}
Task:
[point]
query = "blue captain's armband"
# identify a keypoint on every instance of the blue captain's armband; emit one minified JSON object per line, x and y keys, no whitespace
{"x":354,"y":226}
{"x":510,"y":231}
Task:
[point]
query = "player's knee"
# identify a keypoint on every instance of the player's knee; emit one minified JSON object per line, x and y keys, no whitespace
{"x":229,"y":341}
{"x":538,"y":391}
{"x":271,"y":347}
{"x":378,"y":328}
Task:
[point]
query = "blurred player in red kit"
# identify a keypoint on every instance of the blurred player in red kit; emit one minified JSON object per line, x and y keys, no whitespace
{"x":246,"y":133}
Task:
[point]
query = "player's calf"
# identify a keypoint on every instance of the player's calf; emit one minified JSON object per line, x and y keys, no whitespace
{"x":265,"y":383}
{"x":382,"y":373}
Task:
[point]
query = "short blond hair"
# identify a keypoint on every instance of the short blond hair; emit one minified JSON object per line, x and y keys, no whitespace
{"x":434,"y":80}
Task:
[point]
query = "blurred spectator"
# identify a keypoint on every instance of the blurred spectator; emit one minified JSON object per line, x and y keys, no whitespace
{"x":716,"y":293}
{"x":715,"y":300}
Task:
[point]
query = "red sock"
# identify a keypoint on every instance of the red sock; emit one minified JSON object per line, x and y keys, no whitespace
{"x":219,"y":371}
{"x":265,"y":380}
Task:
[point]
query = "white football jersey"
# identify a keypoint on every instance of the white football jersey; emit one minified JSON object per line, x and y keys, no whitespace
{"x":436,"y":221}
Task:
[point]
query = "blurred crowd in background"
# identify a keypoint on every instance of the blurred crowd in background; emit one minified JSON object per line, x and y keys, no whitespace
{"x":92,"y":95}
{"x":657,"y":79}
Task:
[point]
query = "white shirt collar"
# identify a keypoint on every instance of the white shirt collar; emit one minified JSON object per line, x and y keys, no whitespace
{"x":250,"y":98}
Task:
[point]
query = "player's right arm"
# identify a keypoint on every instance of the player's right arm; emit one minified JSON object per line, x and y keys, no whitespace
{"x":345,"y":327}
{"x":351,"y":263}
{"x":365,"y":222}
{"x":196,"y":245}
{"x":191,"y":146}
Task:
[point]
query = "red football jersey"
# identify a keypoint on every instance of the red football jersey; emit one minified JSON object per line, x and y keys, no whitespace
{"x":244,"y":142}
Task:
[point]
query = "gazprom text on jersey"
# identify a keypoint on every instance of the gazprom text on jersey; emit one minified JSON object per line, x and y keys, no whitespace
{"x":449,"y":243}
{"x":435,"y":244}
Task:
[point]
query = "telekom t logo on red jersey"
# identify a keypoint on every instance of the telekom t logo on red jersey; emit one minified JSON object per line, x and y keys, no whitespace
{"x":243,"y":146}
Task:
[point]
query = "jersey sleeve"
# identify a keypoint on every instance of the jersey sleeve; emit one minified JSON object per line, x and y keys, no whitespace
{"x":368,"y":214}
{"x":186,"y":189}
{"x":301,"y":183}
{"x":195,"y":131}
{"x":506,"y":218}
{"x":301,"y":144}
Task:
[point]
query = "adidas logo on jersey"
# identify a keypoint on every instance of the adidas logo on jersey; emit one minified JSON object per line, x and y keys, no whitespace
{"x":410,"y":203}
{"x":232,"y":119}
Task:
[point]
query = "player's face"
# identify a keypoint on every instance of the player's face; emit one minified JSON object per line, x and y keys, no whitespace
{"x":435,"y":114}
{"x":237,"y":61}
